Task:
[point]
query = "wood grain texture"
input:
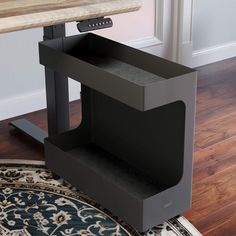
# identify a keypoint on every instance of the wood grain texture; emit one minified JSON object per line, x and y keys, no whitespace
{"x":213,"y":210}
{"x":214,"y":159}
{"x":24,"y":14}
{"x":214,"y":174}
{"x":216,"y":103}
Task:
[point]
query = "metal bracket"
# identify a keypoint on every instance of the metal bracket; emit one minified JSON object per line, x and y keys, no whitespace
{"x":29,"y":129}
{"x":57,"y":98}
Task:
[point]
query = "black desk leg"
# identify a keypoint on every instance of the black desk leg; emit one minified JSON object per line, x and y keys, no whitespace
{"x":57,"y":98}
{"x":56,"y":89}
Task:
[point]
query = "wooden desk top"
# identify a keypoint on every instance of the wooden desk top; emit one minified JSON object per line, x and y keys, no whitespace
{"x":24,"y":14}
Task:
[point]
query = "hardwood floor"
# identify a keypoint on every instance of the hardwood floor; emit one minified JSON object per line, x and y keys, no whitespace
{"x":214,"y":176}
{"x":214,"y":179}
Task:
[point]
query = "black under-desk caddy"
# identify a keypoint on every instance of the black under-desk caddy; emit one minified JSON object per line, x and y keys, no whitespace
{"x":133,"y":150}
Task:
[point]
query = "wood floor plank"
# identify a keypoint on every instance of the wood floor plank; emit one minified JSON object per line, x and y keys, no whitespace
{"x":216,"y":106}
{"x":214,"y":173}
{"x":214,"y":159}
{"x":222,"y":220}
{"x":213,"y":203}
{"x":218,"y":128}
{"x":216,"y":190}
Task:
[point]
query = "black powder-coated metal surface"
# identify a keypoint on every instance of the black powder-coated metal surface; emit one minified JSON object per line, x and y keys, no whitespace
{"x":110,"y":67}
{"x":133,"y":150}
{"x":30,"y":130}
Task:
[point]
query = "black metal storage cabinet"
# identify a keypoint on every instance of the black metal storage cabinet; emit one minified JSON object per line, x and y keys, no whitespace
{"x":133,"y":149}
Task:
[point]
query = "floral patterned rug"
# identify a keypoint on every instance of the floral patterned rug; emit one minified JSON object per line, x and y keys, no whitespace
{"x":35,"y":202}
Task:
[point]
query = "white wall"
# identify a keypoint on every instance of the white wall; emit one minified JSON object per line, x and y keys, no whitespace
{"x":213,"y":23}
{"x":22,"y":83}
{"x":210,"y":31}
{"x":18,"y":73}
{"x":191,"y":32}
{"x":214,"y":33}
{"x":22,"y":87}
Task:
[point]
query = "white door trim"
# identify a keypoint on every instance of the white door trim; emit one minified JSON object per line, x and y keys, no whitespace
{"x":185,"y":44}
{"x":157,"y":38}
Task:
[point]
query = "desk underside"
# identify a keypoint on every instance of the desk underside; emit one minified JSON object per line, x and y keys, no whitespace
{"x":24,"y":14}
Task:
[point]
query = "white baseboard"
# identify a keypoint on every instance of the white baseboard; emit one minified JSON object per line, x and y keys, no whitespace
{"x":144,"y":42}
{"x":213,"y":54}
{"x":30,"y":102}
{"x":22,"y":104}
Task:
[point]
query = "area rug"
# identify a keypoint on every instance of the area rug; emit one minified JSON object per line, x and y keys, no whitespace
{"x":36,"y":202}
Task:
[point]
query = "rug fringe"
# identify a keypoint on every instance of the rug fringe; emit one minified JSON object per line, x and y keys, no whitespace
{"x":21,"y":161}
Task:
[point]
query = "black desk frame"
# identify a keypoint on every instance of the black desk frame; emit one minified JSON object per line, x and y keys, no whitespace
{"x":57,"y":98}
